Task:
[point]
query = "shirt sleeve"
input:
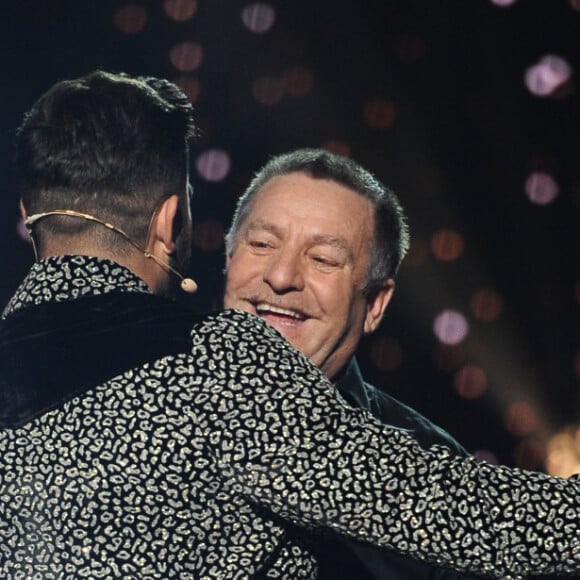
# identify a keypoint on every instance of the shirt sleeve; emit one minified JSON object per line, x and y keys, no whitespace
{"x":283,"y":438}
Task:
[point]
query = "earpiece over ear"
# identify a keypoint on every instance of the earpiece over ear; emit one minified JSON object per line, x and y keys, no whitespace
{"x":187,"y":284}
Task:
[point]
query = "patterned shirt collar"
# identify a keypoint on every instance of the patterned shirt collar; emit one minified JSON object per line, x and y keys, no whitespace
{"x":61,"y":278}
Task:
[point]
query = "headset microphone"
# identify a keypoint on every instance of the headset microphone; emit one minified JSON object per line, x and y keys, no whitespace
{"x":187,"y":284}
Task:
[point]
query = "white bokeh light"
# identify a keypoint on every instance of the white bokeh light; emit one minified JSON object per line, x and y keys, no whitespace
{"x":258,"y":17}
{"x":450,"y":327}
{"x":503,"y":2}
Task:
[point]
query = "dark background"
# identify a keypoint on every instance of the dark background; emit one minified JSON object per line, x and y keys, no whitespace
{"x":458,"y":138}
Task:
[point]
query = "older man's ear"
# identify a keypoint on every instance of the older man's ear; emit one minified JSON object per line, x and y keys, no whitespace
{"x":377,"y":304}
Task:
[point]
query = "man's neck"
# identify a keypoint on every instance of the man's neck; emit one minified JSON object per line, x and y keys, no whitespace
{"x":146,"y":269}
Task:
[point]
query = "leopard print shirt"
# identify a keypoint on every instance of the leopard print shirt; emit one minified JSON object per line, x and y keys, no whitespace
{"x":185,"y":467}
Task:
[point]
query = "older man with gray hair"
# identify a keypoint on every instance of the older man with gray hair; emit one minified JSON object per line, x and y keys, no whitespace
{"x":314,"y":247}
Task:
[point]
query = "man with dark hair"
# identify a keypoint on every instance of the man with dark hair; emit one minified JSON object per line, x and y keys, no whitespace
{"x":70,"y":155}
{"x":139,"y":441}
{"x":314,"y":247}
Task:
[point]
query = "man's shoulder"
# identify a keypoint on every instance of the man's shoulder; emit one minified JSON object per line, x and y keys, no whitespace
{"x":393,"y":412}
{"x":249,"y":339}
{"x":244,"y":322}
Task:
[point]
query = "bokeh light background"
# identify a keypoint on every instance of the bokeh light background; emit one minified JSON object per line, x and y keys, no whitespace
{"x":469,"y":110}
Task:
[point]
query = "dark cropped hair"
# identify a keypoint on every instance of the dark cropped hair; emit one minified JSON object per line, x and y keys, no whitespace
{"x":390,"y":240}
{"x":107,"y":144}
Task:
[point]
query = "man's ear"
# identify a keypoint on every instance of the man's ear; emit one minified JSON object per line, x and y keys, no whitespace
{"x":377,"y":304}
{"x":163,"y":226}
{"x":23,"y":212}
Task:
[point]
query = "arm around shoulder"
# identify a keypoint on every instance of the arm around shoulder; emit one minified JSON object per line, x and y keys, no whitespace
{"x":282,"y":438}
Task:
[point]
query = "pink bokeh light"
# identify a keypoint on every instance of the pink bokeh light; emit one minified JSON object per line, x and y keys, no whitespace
{"x":213,"y":164}
{"x":541,"y":188}
{"x":546,"y":76}
{"x":186,"y":56}
{"x":451,"y":327}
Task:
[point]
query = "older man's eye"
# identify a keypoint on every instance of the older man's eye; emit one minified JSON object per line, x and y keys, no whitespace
{"x":326,"y":262}
{"x":258,"y":244}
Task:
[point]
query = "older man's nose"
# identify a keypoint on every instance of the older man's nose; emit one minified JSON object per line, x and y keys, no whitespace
{"x":284,"y":272}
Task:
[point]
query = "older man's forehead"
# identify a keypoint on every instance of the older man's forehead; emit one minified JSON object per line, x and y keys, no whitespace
{"x":298,"y":174}
{"x":354,"y":242}
{"x":301,"y":182}
{"x":263,"y":224}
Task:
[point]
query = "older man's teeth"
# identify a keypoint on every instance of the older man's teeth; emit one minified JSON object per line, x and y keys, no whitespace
{"x":269,"y":309}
